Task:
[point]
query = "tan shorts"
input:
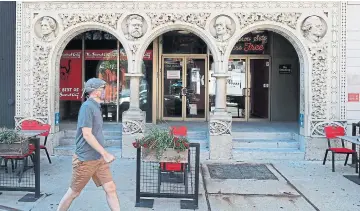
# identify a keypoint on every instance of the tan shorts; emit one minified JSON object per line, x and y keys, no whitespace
{"x":98,"y":170}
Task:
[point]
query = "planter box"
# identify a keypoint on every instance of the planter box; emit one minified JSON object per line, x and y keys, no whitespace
{"x":170,"y":155}
{"x":14,"y":149}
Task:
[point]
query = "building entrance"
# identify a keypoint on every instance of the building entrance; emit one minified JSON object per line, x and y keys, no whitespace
{"x":248,"y":88}
{"x":184,"y":87}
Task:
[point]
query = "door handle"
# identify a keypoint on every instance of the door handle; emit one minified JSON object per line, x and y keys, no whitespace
{"x":184,"y":91}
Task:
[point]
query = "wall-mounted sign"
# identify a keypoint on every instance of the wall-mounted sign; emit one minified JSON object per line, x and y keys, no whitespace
{"x":353,"y":97}
{"x":173,"y":74}
{"x":285,"y":69}
{"x":71,"y":75}
{"x":112,"y":55}
{"x":252,"y":43}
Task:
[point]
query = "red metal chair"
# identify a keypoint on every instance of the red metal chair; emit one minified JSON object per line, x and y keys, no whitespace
{"x":332,"y":132}
{"x":35,"y":125}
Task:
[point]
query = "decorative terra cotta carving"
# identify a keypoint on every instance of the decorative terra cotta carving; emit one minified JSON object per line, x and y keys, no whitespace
{"x":134,"y":27}
{"x":288,"y":18}
{"x":317,"y":127}
{"x":319,"y":81}
{"x":199,"y":19}
{"x":219,"y":127}
{"x":46,"y":29}
{"x":223,"y":26}
{"x":132,"y":126}
{"x":314,"y":28}
{"x":72,"y":19}
{"x":41,"y":80}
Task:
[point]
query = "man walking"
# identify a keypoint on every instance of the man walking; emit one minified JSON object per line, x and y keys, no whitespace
{"x":91,"y":160}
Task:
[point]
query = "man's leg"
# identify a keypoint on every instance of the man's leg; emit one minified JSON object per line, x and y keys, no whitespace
{"x":67,"y":199}
{"x":103,"y":177}
{"x":111,"y":196}
{"x":81,"y":174}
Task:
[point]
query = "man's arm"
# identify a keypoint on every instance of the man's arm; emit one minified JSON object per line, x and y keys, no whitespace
{"x":91,"y":140}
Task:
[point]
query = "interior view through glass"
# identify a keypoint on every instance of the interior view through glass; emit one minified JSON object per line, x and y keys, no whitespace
{"x":99,"y":54}
{"x":263,"y":69}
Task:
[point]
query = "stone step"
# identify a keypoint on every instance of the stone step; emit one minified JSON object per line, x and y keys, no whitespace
{"x":265,"y":143}
{"x":251,"y":154}
{"x":191,"y":134}
{"x":109,"y":141}
{"x":69,"y":150}
{"x":263,"y":135}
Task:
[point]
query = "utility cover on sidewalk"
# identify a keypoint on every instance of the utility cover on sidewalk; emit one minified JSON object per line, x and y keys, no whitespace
{"x":240,"y":171}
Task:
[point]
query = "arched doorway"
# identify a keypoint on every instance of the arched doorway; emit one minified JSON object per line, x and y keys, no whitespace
{"x":264,"y":79}
{"x":287,"y":68}
{"x":99,"y":54}
{"x":181,"y":73}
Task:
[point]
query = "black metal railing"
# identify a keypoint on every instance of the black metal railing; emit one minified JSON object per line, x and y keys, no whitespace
{"x":153,"y":182}
{"x":22,"y":174}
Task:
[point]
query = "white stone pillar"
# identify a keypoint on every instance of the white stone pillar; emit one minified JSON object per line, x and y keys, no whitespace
{"x":220,"y":139}
{"x":133,"y":120}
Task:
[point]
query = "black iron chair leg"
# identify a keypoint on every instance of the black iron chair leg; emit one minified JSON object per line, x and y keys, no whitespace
{"x":6,"y":165}
{"x":356,"y":162}
{"x":346,"y":160}
{"x":22,"y":168}
{"x":333,"y":162}
{"x":12,"y":165}
{"x":326,"y":153}
{"x":48,"y":156}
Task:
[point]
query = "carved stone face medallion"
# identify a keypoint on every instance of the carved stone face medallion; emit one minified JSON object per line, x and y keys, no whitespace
{"x":223,"y":27}
{"x":46,"y":28}
{"x":135,"y":27}
{"x":314,"y":28}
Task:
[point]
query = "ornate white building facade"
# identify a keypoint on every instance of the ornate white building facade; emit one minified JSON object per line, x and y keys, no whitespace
{"x":315,"y":29}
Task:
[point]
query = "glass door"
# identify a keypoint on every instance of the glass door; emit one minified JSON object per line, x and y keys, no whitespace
{"x":184,"y":88}
{"x":173,"y":88}
{"x":195,"y":97}
{"x":247,"y":88}
{"x":237,"y":89}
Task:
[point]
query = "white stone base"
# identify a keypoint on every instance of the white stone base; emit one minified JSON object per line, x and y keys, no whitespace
{"x":220,"y":147}
{"x":220,"y":138}
{"x":133,"y":128}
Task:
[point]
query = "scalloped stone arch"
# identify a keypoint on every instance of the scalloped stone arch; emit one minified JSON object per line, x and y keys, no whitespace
{"x":302,"y":52}
{"x":56,"y":52}
{"x":204,"y":35}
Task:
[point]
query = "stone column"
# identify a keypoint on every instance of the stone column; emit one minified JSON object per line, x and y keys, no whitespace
{"x":133,"y":120}
{"x":220,"y":139}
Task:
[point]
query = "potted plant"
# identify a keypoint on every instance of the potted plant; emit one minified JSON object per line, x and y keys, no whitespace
{"x":160,"y":145}
{"x":12,"y":143}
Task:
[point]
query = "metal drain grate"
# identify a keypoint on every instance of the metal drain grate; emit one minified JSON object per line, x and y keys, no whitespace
{"x":240,"y":171}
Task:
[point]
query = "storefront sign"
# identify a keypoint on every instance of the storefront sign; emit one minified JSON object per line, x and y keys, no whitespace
{"x":71,"y":75}
{"x":353,"y":97}
{"x":173,"y":74}
{"x":112,"y":55}
{"x":285,"y":69}
{"x":251,"y":43}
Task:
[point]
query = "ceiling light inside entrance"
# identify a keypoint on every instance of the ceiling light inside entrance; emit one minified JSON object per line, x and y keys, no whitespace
{"x":184,"y":32}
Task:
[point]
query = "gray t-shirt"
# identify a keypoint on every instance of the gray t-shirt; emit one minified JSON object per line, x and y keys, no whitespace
{"x":89,"y":116}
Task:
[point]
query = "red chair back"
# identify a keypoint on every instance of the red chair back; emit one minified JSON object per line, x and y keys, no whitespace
{"x":179,"y":130}
{"x":334,"y":131}
{"x":35,"y":125}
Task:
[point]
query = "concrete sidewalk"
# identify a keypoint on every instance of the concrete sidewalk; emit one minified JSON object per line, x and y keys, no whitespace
{"x":300,"y":186}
